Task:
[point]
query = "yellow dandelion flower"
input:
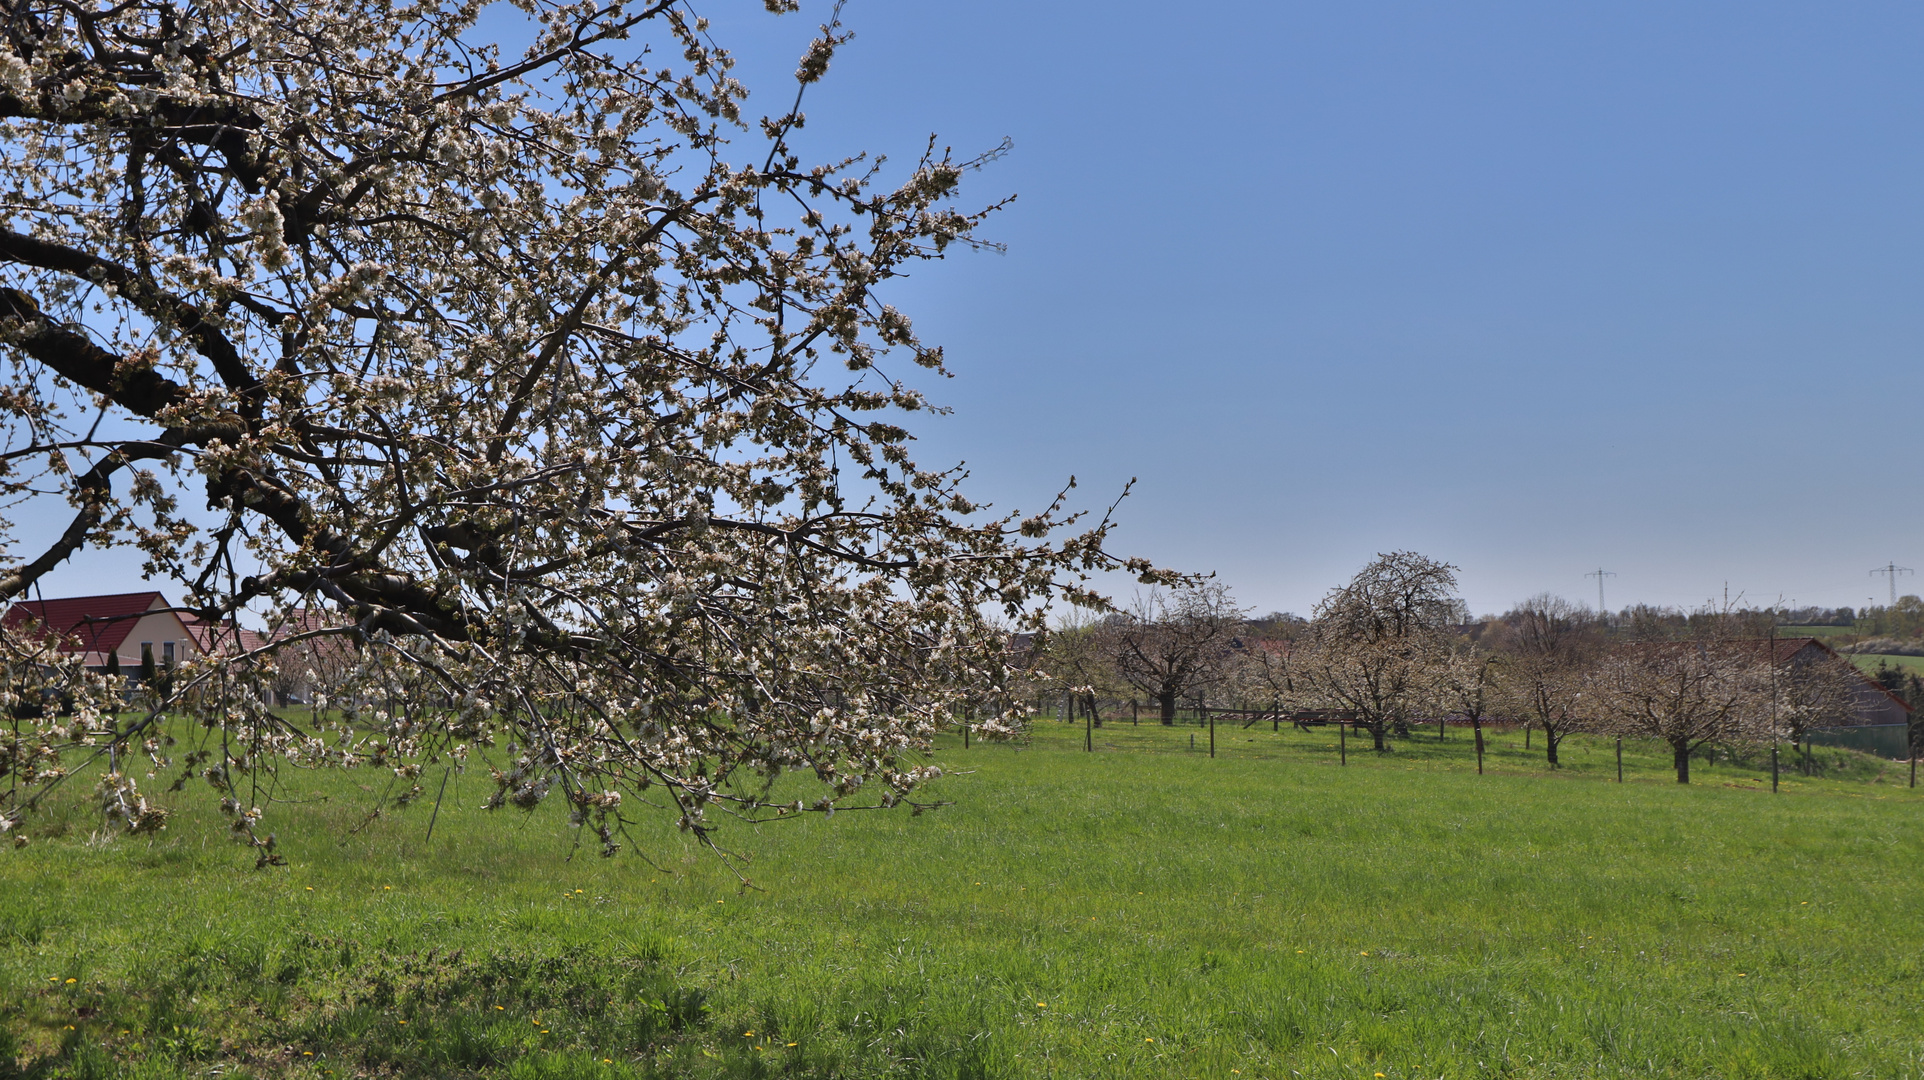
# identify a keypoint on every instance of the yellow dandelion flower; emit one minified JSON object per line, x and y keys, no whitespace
{"x":794,"y":1044}
{"x":73,"y":980}
{"x":1039,"y":1004}
{"x":1148,"y":1040}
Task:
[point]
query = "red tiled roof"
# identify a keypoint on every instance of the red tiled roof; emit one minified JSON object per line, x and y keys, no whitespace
{"x":86,"y":623}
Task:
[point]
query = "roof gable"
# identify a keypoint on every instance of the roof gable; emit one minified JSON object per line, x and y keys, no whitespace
{"x":87,"y":623}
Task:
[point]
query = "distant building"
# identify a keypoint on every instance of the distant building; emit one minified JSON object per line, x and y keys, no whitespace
{"x":1880,"y":721}
{"x":1874,"y":706}
{"x":131,"y":626}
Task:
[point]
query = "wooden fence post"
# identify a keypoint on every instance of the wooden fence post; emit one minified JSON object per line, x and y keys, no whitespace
{"x":1342,"y":742}
{"x":1620,"y":759}
{"x":1088,"y":733}
{"x":1211,"y":718}
{"x":1478,"y":724}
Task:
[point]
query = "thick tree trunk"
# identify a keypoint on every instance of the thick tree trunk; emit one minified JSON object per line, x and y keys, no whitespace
{"x":1680,"y":753}
{"x":1550,"y":742}
{"x":1376,"y":733}
{"x":1167,"y":702}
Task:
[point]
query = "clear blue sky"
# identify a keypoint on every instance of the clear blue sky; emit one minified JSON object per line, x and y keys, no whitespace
{"x":1531,"y":288}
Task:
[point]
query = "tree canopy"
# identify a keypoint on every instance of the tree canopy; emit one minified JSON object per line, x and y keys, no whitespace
{"x":566,"y":385}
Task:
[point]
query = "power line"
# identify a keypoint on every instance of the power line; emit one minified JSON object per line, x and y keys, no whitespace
{"x":1600,"y":573}
{"x":1892,"y":571}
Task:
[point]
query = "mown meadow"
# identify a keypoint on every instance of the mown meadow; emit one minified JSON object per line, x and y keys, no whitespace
{"x":1142,"y":910}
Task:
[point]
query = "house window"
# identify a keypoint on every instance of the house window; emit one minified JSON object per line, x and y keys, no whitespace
{"x":167,"y":654}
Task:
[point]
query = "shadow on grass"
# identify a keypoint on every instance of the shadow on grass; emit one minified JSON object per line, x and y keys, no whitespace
{"x":326,"y":1007}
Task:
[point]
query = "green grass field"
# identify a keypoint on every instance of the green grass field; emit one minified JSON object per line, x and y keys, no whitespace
{"x":1869,"y":662}
{"x":1139,"y":911}
{"x":1819,"y":631}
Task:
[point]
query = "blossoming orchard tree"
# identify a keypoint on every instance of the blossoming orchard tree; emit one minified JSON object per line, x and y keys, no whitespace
{"x":1378,"y":645}
{"x":566,"y":385}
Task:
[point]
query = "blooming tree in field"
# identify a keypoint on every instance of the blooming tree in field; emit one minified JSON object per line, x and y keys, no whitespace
{"x":1176,"y":642}
{"x":558,"y":379}
{"x":1077,"y":659}
{"x":1546,"y":676}
{"x":1378,"y":645}
{"x":1686,"y":693}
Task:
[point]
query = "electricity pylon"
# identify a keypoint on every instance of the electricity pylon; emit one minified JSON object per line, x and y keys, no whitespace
{"x":1892,"y":571}
{"x":1600,"y":573}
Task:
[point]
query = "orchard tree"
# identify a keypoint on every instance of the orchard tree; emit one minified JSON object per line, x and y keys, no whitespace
{"x":1550,"y":645}
{"x":558,"y":381}
{"x":1469,"y":686}
{"x":1077,"y":658}
{"x":1176,"y":643}
{"x":1686,"y":693}
{"x":1264,"y":669}
{"x":1377,"y":646}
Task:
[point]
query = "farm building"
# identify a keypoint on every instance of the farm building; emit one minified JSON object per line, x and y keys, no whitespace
{"x":1880,"y":721}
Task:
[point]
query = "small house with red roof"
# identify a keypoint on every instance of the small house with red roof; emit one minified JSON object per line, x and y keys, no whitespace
{"x":131,"y":626}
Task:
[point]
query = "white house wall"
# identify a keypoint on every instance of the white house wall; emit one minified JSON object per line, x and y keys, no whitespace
{"x":157,"y":627}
